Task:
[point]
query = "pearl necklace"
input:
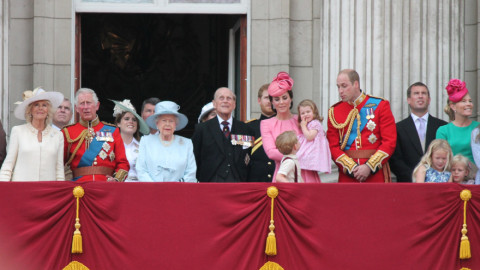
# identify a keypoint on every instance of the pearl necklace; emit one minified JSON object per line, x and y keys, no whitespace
{"x":166,"y":143}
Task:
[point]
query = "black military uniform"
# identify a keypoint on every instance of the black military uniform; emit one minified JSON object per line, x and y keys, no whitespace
{"x":261,"y":167}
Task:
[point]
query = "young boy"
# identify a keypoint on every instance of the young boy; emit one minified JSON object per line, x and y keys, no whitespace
{"x":289,"y":171}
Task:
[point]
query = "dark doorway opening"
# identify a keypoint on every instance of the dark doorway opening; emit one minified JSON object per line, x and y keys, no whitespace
{"x":177,"y":57}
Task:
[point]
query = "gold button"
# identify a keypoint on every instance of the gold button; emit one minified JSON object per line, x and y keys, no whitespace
{"x":269,"y":163}
{"x":269,"y":176}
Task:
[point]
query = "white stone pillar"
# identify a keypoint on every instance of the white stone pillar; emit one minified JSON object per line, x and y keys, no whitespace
{"x":391,"y":44}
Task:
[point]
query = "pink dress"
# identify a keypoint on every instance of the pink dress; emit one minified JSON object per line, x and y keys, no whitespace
{"x":270,"y":129}
{"x":315,"y":155}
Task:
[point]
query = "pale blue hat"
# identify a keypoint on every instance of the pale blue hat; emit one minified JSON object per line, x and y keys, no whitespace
{"x":167,"y":107}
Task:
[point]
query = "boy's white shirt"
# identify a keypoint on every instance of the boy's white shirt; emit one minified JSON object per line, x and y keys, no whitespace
{"x":287,"y":168}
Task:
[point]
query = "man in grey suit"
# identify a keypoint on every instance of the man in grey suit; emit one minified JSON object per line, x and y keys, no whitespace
{"x":414,"y":133}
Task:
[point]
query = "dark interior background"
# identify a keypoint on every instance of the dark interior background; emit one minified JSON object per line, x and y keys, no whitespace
{"x":177,"y":57}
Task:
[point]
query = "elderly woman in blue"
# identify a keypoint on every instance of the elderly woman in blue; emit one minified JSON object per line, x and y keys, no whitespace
{"x":166,"y":157}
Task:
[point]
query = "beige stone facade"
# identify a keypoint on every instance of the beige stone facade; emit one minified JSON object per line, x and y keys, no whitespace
{"x":391,"y":43}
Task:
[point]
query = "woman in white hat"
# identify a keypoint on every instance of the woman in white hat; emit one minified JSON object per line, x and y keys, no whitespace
{"x":130,"y":125}
{"x":35,"y":150}
{"x":166,"y":157}
{"x":208,"y":112}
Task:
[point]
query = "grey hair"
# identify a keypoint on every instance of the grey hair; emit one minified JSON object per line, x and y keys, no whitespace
{"x":86,"y":91}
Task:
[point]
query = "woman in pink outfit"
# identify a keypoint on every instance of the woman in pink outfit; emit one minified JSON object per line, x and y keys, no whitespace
{"x":280,"y":93}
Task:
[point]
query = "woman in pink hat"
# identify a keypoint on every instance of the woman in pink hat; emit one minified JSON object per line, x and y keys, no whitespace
{"x":459,"y":109}
{"x":280,"y":94}
{"x":35,"y":150}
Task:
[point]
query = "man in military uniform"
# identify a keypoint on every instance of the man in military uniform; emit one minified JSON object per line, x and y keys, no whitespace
{"x":361,"y":132}
{"x":262,"y":168}
{"x":94,"y":150}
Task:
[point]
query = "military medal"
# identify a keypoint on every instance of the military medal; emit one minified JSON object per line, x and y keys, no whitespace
{"x":106,"y":146}
{"x":372,"y":138}
{"x":102,"y":155}
{"x":371,"y":125}
{"x":109,"y":137}
{"x":372,"y":115}
{"x":112,"y":156}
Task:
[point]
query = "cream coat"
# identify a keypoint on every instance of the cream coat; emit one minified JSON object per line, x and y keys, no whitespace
{"x":30,"y":160}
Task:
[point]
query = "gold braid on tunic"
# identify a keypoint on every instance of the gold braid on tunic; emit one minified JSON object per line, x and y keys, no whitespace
{"x":349,"y":121}
{"x":80,"y":138}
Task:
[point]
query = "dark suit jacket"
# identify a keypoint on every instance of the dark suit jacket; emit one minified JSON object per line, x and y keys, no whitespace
{"x":3,"y":144}
{"x":261,"y":167}
{"x":210,"y":153}
{"x":408,"y":151}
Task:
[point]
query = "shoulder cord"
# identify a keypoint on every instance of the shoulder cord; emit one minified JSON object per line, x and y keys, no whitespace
{"x":80,"y":140}
{"x":349,"y":121}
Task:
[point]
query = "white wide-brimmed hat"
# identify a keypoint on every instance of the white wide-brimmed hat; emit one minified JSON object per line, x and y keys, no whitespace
{"x":167,"y":107}
{"x":29,"y":96}
{"x":126,"y":106}
{"x":206,"y":110}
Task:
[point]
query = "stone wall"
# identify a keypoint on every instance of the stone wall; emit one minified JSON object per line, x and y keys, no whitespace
{"x":392,"y":44}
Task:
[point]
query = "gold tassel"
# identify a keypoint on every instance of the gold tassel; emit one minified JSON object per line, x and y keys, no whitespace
{"x":271,"y":247}
{"x":78,"y":193}
{"x":465,"y":268}
{"x":271,"y":266}
{"x":465,"y":253}
{"x":74,"y":265}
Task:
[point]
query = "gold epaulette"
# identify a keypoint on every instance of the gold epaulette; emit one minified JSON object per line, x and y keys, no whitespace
{"x":376,"y":97}
{"x":376,"y":160}
{"x":251,"y":120}
{"x":108,"y":124}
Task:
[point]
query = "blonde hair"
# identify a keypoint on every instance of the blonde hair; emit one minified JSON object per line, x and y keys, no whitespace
{"x":311,"y":104}
{"x":435,"y":145}
{"x":448,"y":110}
{"x":50,"y":113}
{"x":286,"y":141}
{"x":460,"y":159}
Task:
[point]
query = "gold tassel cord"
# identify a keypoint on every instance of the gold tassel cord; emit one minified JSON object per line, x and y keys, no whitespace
{"x":74,"y":265}
{"x":271,"y":266}
{"x":465,"y":253}
{"x":271,"y":247}
{"x":78,"y":193}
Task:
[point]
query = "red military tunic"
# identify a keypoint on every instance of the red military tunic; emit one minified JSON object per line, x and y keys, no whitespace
{"x":374,"y":146}
{"x":110,"y":160}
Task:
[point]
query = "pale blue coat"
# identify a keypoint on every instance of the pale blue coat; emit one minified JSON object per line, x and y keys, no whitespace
{"x":159,"y":163}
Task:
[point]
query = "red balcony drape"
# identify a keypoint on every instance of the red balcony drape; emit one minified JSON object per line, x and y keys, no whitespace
{"x":224,"y":226}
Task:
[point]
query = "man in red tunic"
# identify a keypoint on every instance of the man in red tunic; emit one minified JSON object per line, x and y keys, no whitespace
{"x":94,"y":150}
{"x":361,"y":132}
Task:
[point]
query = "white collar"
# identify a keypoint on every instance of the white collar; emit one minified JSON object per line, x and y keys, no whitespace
{"x":424,"y":117}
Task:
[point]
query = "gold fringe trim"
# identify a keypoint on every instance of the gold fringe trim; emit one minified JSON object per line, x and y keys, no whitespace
{"x":465,"y":268}
{"x":271,"y":266}
{"x":74,"y":265}
{"x":465,"y":253}
{"x":78,"y":193}
{"x":271,"y":246}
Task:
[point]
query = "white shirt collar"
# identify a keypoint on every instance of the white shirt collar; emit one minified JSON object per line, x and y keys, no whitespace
{"x":424,"y":117}
{"x":230,"y":121}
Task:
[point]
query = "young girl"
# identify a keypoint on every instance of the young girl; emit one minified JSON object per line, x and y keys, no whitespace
{"x":434,"y":167}
{"x":462,"y":171}
{"x":314,"y":152}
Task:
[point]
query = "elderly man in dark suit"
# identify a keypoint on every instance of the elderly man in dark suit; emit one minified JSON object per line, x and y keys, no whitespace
{"x":414,"y":133}
{"x":222,"y":144}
